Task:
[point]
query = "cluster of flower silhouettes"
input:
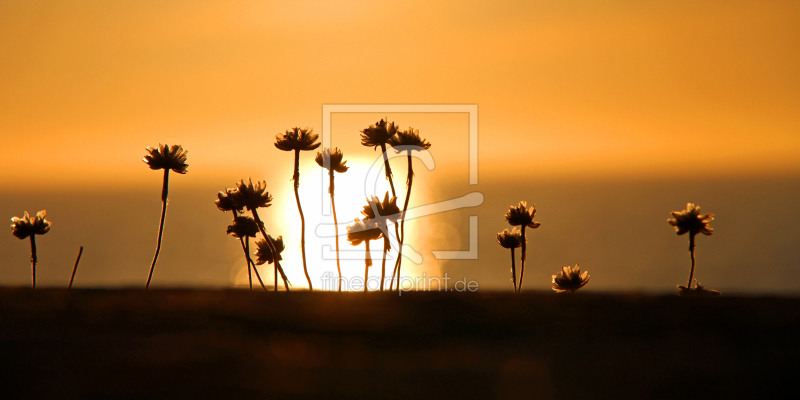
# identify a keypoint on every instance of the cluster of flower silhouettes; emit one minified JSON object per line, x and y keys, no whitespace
{"x":377,"y":214}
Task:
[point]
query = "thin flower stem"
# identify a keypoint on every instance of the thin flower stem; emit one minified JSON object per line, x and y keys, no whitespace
{"x":75,"y":268}
{"x":272,"y":248}
{"x":388,"y":170}
{"x":302,"y":217}
{"x":164,"y":192}
{"x":522,"y":267}
{"x":246,"y":248}
{"x":336,"y":230}
{"x":513,"y":271}
{"x":399,"y":263}
{"x":383,"y":266}
{"x":367,"y":263}
{"x":691,"y":251}
{"x":246,"y":253}
{"x":33,"y":261}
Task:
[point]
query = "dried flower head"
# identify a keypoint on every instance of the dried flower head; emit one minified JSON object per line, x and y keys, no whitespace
{"x":698,"y":290}
{"x":264,"y":253}
{"x":363,"y":230}
{"x":409,"y":138}
{"x":297,"y":139}
{"x":166,"y":157}
{"x":690,"y":220}
{"x":510,"y":239}
{"x":332,"y":160}
{"x":242,"y":227}
{"x":570,"y":279}
{"x":382,"y":210}
{"x":251,"y":196}
{"x":27,"y":225}
{"x":227,"y":201}
{"x":521,"y":215}
{"x":378,"y":134}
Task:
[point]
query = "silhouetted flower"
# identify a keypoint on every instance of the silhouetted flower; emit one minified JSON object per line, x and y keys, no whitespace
{"x":264,"y":253}
{"x":699,"y":290}
{"x":510,"y":239}
{"x":690,"y":220}
{"x":522,"y":215}
{"x":408,"y":137}
{"x":386,"y":209}
{"x":297,"y":139}
{"x":166,"y":157}
{"x":362,"y":231}
{"x":227,"y":201}
{"x":378,"y":134}
{"x":243,"y":226}
{"x":27,"y":225}
{"x":252,"y":196}
{"x":570,"y":279}
{"x":333,"y":160}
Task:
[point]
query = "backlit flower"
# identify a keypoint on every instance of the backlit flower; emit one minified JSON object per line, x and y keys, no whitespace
{"x":378,"y":134}
{"x":252,"y":196}
{"x":242,"y":227}
{"x":27,"y":225}
{"x":332,"y":160}
{"x":297,"y":139}
{"x":522,"y":215}
{"x":510,"y":239}
{"x":386,"y":209}
{"x":570,"y":279}
{"x":690,"y":220}
{"x":264,"y":253}
{"x":363,"y":230}
{"x":227,"y":201}
{"x":166,"y":157}
{"x":409,"y":137}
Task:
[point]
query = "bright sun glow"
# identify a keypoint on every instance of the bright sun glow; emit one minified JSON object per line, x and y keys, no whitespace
{"x":351,"y":191}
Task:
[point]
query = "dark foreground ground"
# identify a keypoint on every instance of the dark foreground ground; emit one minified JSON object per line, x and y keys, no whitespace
{"x":197,"y":344}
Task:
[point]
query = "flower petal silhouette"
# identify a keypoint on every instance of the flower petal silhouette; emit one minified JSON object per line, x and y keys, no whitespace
{"x":166,"y":157}
{"x":690,"y":220}
{"x":409,"y":137}
{"x":251,"y":196}
{"x":27,"y":225}
{"x":297,"y":139}
{"x":243,"y":226}
{"x":522,"y":215}
{"x":386,"y":209}
{"x":378,"y":134}
{"x":264,"y":253}
{"x":228,"y":200}
{"x":570,"y":279}
{"x":332,"y":160}
{"x":510,"y":239}
{"x":363,"y":230}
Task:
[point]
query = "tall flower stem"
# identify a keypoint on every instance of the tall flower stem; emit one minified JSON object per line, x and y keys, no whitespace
{"x":399,"y":263}
{"x":691,"y":251}
{"x":247,"y":253}
{"x":33,"y":261}
{"x":272,"y":248}
{"x":513,"y":271}
{"x":388,"y":170}
{"x":246,"y":248}
{"x":522,"y":267}
{"x":367,"y":263}
{"x":75,"y":268}
{"x":383,"y":266}
{"x":164,"y":191}
{"x":336,"y":229}
{"x":296,"y":179}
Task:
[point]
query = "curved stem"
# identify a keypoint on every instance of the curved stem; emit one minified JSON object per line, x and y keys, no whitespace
{"x":75,"y":268}
{"x":383,"y":266}
{"x":336,"y":229}
{"x":246,"y":248}
{"x":275,"y":277}
{"x":367,"y":263}
{"x":399,"y":263}
{"x":247,"y":259}
{"x":691,"y":251}
{"x":302,"y":217}
{"x":164,"y":192}
{"x":33,"y":261}
{"x":387,"y":168}
{"x":513,"y":271}
{"x":272,"y":248}
{"x":522,"y":267}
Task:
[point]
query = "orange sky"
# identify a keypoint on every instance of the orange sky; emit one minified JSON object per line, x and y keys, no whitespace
{"x":570,"y":88}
